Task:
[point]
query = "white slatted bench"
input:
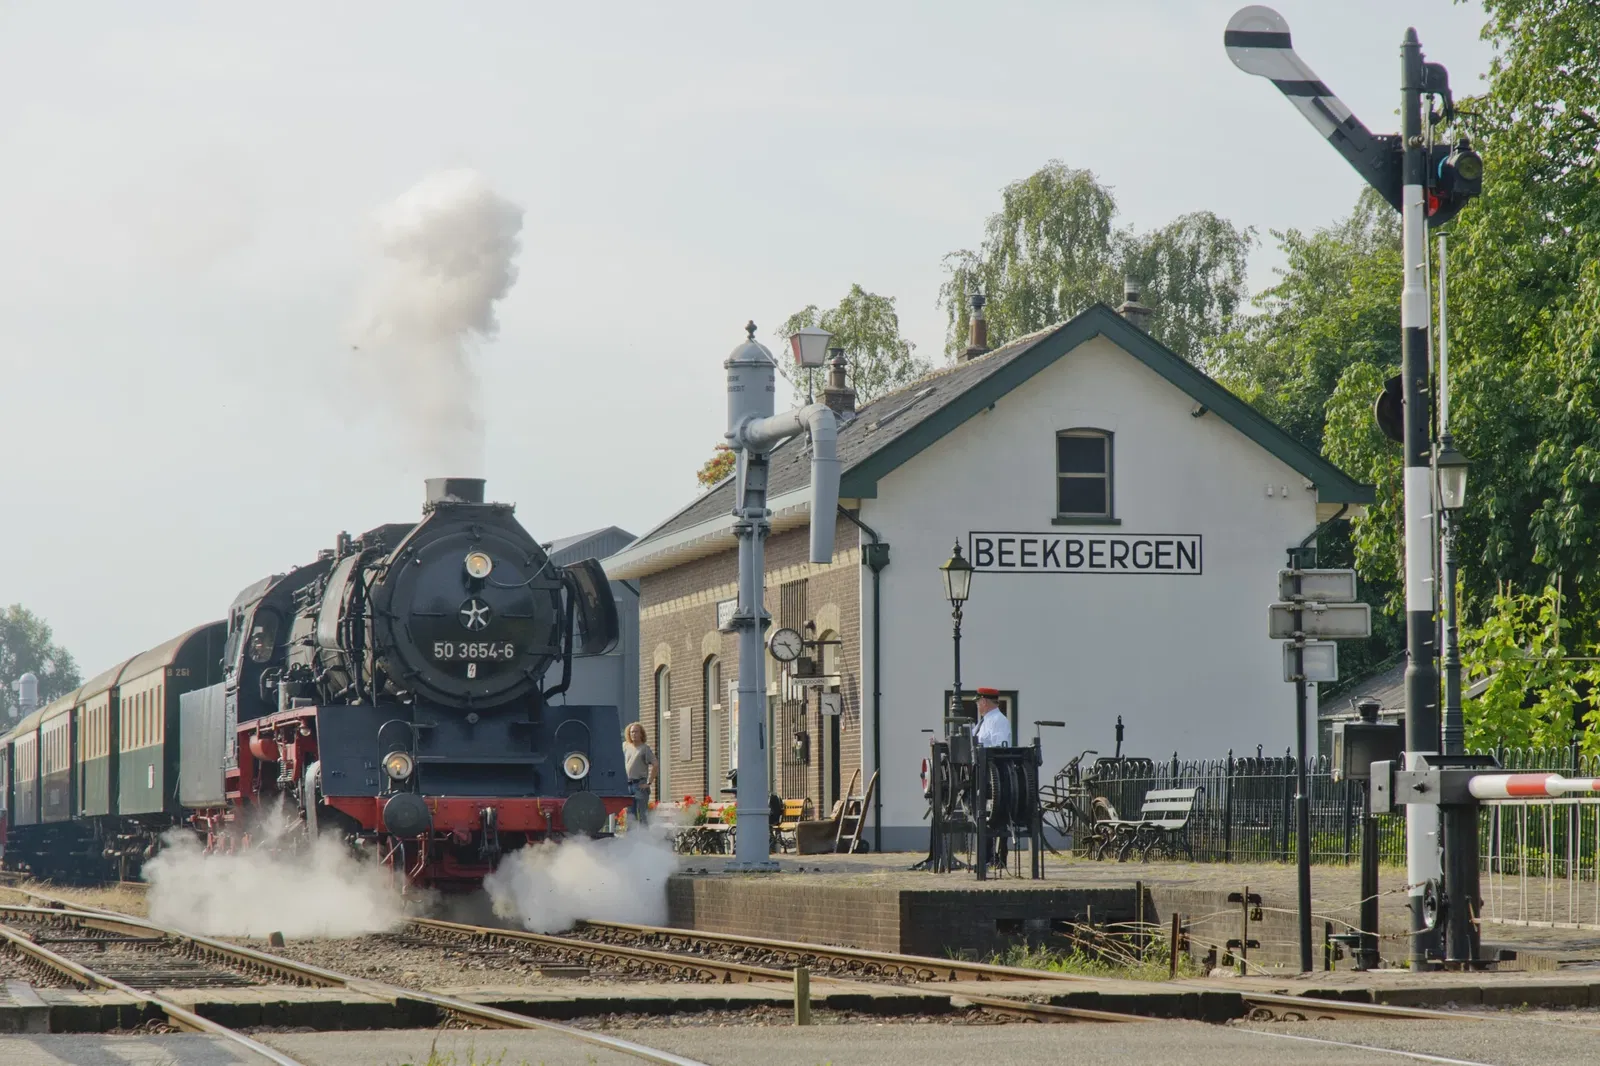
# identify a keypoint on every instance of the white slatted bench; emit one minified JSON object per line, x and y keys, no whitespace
{"x":1163,"y":824}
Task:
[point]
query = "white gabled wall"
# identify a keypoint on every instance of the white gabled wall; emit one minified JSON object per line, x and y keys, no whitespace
{"x":1184,"y":659}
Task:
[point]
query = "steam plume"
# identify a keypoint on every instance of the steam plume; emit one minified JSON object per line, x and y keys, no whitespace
{"x":547,"y":887}
{"x":323,"y":891}
{"x":447,"y":250}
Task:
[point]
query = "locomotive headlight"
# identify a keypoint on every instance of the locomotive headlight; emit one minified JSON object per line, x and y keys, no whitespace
{"x":398,"y":765}
{"x":576,"y":765}
{"x":478,"y":565}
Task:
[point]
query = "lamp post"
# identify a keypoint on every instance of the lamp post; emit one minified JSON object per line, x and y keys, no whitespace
{"x":1460,"y":825}
{"x":1450,"y":467}
{"x":957,"y":585}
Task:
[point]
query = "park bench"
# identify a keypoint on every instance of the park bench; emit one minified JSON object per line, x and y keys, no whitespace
{"x":1162,"y":825}
{"x":713,"y":837}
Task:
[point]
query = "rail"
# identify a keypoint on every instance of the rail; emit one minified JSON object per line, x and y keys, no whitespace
{"x":1261,"y":1005}
{"x":745,"y":972}
{"x":832,"y":960}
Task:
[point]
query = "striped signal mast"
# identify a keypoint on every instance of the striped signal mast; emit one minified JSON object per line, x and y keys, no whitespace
{"x":1427,"y":184}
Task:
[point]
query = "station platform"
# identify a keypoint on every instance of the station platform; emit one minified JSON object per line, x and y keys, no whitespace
{"x":877,"y":903}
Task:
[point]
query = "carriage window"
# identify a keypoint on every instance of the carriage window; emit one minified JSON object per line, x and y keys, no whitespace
{"x":1083,"y":473}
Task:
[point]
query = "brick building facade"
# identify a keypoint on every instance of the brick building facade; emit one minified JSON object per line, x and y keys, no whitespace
{"x":688,"y":670}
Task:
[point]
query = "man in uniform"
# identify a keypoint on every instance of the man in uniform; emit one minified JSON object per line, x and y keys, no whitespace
{"x":994,"y":728}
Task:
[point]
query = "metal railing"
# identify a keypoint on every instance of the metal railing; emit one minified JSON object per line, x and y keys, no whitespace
{"x":1244,"y":810}
{"x":1541,"y":857}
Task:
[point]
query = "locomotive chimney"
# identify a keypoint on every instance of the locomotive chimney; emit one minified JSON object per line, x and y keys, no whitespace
{"x":454,"y":490}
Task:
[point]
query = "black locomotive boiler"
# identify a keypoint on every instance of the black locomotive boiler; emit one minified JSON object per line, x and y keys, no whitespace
{"x":402,"y":692}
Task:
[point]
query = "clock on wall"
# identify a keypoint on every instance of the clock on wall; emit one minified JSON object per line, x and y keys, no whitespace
{"x":785,"y":645}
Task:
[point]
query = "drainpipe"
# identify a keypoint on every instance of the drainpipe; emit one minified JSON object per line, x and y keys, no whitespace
{"x":876,"y":557}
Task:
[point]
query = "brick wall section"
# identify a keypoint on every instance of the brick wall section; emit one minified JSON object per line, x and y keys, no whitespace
{"x":677,"y":615}
{"x":873,"y":918}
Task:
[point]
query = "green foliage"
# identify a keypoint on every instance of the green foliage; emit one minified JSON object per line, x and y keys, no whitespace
{"x":1525,"y":284}
{"x":1052,"y":250}
{"x":27,"y":644}
{"x":867,"y":327}
{"x":1334,"y":308}
{"x":1537,"y":686}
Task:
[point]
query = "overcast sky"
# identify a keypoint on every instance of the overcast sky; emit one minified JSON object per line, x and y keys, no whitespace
{"x":188,"y":187}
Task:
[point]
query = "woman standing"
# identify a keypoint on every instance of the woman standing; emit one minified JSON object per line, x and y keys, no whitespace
{"x":640,"y":764}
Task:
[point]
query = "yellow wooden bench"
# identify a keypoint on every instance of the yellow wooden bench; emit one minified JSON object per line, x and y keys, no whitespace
{"x":794,"y":812}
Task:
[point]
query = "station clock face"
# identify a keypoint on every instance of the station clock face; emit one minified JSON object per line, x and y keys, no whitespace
{"x":785,"y":645}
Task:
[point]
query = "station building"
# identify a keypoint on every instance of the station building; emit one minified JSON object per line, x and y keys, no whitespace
{"x":1127,"y":518}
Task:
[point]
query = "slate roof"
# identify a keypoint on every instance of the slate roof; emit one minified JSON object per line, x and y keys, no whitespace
{"x":1388,"y":687}
{"x":593,"y":544}
{"x":873,"y":426}
{"x":890,"y":430}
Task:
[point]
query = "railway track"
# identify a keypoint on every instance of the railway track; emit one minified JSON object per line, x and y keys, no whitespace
{"x":41,"y":956}
{"x":637,"y":950}
{"x":63,"y":914}
{"x":1262,"y":1006}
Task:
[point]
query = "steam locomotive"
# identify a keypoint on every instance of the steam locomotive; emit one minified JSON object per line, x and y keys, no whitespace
{"x":391,"y":693}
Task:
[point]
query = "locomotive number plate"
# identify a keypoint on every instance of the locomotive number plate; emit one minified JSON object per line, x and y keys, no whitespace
{"x":465,"y":650}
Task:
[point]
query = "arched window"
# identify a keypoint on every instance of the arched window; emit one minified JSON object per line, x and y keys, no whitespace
{"x":663,"y":745}
{"x":830,"y":656}
{"x":1083,"y":474}
{"x":714,"y":722}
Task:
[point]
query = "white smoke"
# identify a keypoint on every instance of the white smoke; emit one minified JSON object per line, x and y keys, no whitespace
{"x":547,"y":887}
{"x":446,"y":251}
{"x":323,"y":891}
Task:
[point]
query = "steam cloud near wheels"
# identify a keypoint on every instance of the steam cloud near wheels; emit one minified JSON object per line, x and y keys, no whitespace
{"x":446,"y":255}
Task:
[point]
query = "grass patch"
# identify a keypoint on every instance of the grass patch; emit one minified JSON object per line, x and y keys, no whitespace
{"x":1127,"y":961}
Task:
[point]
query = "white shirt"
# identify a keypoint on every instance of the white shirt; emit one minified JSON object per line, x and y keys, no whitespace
{"x":994,"y":730}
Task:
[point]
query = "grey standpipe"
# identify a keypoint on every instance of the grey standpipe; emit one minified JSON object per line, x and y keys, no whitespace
{"x":753,"y":432}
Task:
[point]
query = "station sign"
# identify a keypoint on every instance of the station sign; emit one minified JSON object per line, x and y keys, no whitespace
{"x":1085,"y":553}
{"x":1322,"y":586}
{"x":1328,"y":621}
{"x":1319,"y":663}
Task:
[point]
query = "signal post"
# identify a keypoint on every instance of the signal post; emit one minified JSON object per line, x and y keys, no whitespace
{"x":1428,"y":184}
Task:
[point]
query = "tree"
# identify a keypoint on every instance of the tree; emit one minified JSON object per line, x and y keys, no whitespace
{"x":866,"y":326}
{"x":1052,"y":250}
{"x":719,"y":466}
{"x":28,"y":646}
{"x":1333,"y":307}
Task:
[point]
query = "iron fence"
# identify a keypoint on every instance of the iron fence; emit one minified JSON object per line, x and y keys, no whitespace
{"x":1244,"y":809}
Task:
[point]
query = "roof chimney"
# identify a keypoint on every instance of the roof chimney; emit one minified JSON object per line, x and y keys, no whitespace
{"x":979,"y":342}
{"x":1132,"y":310}
{"x":838,"y":395}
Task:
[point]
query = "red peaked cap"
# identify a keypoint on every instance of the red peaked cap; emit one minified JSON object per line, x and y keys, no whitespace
{"x":991,"y":693}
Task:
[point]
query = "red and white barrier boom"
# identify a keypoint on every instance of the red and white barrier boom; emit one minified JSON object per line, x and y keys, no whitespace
{"x":1523,"y":786}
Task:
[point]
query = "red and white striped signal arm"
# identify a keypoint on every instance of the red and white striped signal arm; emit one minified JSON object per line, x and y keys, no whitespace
{"x":1528,"y":786}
